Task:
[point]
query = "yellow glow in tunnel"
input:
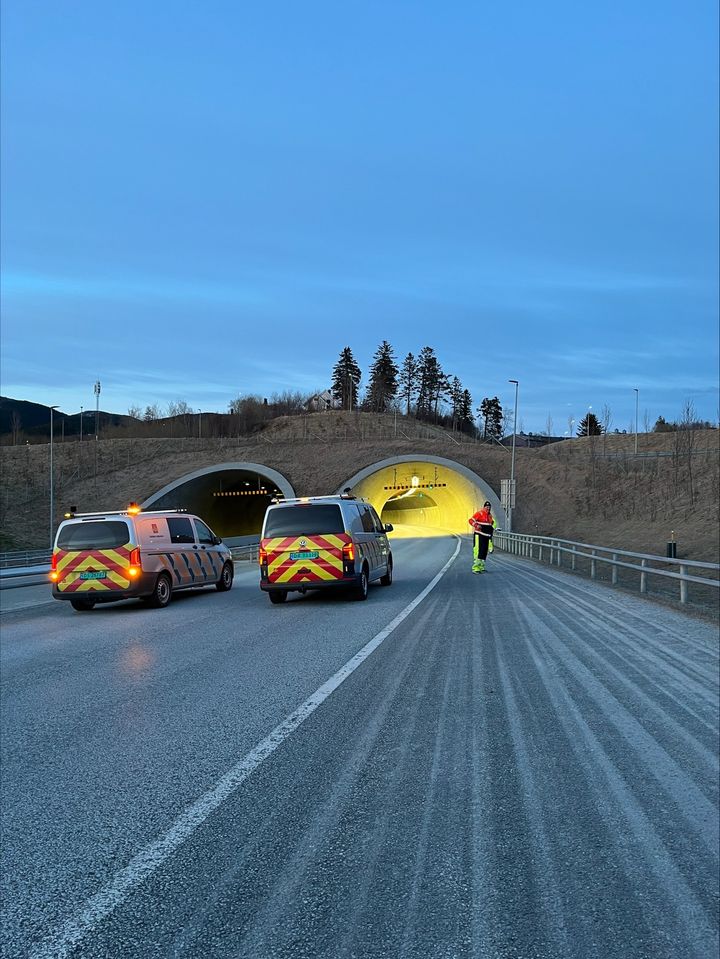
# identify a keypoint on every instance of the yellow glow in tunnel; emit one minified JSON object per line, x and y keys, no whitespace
{"x":424,"y":497}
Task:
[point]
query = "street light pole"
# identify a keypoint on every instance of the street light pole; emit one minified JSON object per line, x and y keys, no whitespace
{"x":81,"y":414}
{"x":512,"y":464}
{"x":52,"y":483}
{"x":637,"y":401}
{"x":96,"y":390}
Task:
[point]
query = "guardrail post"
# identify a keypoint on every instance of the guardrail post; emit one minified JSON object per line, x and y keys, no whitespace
{"x":614,"y":569}
{"x":593,"y":565}
{"x":540,"y":545}
{"x":643,"y":576}
{"x":683,"y":585}
{"x":559,"y":553}
{"x":573,"y":558}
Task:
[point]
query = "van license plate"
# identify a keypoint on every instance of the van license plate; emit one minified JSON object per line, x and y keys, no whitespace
{"x":307,"y":554}
{"x":99,"y":574}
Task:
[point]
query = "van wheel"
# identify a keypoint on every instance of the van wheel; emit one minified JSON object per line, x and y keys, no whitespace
{"x":162,"y":593}
{"x":278,"y":596}
{"x":361,"y":590}
{"x":82,"y":605}
{"x":386,"y":580}
{"x":226,"y":578}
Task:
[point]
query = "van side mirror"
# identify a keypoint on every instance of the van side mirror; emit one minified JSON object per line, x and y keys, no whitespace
{"x":388,"y":527}
{"x":216,"y":540}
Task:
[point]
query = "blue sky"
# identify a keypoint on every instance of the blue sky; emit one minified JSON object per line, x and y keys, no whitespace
{"x":204,"y":200}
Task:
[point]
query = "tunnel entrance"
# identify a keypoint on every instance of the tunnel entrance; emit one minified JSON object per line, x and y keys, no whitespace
{"x":424,"y":495}
{"x":231,"y":498}
{"x":409,"y":509}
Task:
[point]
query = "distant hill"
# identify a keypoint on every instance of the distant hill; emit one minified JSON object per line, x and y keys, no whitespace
{"x":31,"y":421}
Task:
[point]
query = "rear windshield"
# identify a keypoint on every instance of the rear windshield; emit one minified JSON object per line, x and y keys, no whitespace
{"x":310,"y":520}
{"x":104,"y":534}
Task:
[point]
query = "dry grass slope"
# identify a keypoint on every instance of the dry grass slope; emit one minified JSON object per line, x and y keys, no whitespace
{"x":592,"y":489}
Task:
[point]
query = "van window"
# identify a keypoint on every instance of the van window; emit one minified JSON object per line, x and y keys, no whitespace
{"x":355,"y":517}
{"x":203,"y":533}
{"x":181,"y":530}
{"x":102,"y":534}
{"x":367,"y":521}
{"x":379,"y":528}
{"x":311,"y":520}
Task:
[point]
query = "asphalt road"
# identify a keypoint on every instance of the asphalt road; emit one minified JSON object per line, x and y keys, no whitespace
{"x":525,"y":766}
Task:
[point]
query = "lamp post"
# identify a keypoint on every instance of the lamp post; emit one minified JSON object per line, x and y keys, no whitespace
{"x":52,"y":483}
{"x":637,"y":401}
{"x":81,"y":414}
{"x":96,"y":390}
{"x":512,"y":463}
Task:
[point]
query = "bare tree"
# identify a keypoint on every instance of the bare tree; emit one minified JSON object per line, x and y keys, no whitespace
{"x":685,"y":441}
{"x":647,"y":423}
{"x":549,"y":425}
{"x":508,"y":419}
{"x":135,"y":411}
{"x":605,"y":421}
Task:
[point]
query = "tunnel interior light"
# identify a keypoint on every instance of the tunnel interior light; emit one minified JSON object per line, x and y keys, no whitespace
{"x":415,"y":481}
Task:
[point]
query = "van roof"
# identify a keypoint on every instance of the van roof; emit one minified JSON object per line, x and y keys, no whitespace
{"x":123,"y":512}
{"x":290,"y":501}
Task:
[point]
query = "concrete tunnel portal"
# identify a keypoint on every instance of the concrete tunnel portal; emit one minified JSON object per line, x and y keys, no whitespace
{"x":420,"y":495}
{"x":425,"y":495}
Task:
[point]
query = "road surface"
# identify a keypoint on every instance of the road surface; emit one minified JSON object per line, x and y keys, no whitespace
{"x":524,"y":764}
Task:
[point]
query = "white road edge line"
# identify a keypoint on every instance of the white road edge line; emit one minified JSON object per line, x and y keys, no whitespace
{"x":141,"y":866}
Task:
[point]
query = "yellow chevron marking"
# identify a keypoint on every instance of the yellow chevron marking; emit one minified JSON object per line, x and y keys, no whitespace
{"x":291,"y":574}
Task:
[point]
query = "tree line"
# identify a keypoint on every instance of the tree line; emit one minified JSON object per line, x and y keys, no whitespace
{"x":418,"y":386}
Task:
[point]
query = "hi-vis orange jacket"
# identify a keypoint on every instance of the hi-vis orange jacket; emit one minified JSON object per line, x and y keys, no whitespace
{"x":483,"y":522}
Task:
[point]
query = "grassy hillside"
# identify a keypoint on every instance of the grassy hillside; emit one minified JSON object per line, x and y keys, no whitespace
{"x":591,"y":489}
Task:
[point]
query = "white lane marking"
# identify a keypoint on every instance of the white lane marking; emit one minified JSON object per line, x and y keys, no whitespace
{"x":114,"y":893}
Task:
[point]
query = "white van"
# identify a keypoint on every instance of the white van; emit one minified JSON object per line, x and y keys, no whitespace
{"x":106,"y":557}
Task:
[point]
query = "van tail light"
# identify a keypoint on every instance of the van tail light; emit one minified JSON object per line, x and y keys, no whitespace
{"x":349,"y":552}
{"x":262,"y":556}
{"x":135,"y":567}
{"x":53,"y":568}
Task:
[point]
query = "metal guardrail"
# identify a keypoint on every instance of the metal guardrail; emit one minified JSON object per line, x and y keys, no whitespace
{"x":25,"y":557}
{"x":27,"y":562}
{"x":247,"y":552}
{"x":540,"y":547}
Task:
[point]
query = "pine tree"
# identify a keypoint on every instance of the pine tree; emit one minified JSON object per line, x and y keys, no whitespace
{"x":346,"y":377}
{"x":589,"y":426}
{"x":492,"y":414}
{"x":466,"y":420}
{"x":408,"y":380}
{"x":456,"y":395}
{"x":430,"y":380}
{"x":383,"y":384}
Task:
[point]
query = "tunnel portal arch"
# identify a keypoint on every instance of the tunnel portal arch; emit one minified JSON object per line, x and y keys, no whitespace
{"x":230,"y":497}
{"x":421,"y":492}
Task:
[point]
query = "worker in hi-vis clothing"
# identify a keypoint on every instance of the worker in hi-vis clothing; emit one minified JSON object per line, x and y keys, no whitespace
{"x":483,"y":524}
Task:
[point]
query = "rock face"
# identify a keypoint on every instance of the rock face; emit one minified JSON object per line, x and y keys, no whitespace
{"x":590,"y":489}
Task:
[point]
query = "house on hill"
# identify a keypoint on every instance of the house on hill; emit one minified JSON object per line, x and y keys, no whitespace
{"x":322,"y":401}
